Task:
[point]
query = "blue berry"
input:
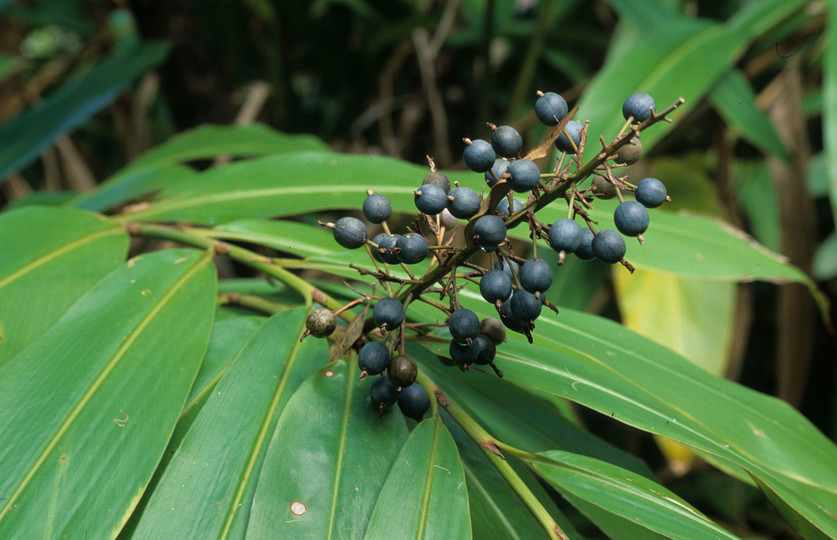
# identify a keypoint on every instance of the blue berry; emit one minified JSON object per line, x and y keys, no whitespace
{"x":350,"y":232}
{"x":388,"y":313}
{"x":386,"y":248}
{"x":563,"y":144}
{"x":565,"y":235}
{"x":411,"y":248}
{"x":487,"y":349}
{"x":535,"y":275}
{"x":609,"y":246}
{"x":495,"y":285}
{"x":508,"y":266}
{"x":506,"y":141}
{"x":499,"y":167}
{"x":650,"y":192}
{"x":376,"y":250}
{"x":511,"y":322}
{"x":639,"y":106}
{"x":523,"y":175}
{"x":464,"y":202}
{"x":430,"y":199}
{"x":503,"y":208}
{"x":525,"y":306}
{"x":464,"y":355}
{"x":377,"y":208}
{"x":463,"y":325}
{"x":373,"y":358}
{"x":437,"y":179}
{"x":584,"y":250}
{"x":490,"y":232}
{"x":479,"y":156}
{"x":382,"y":393}
{"x":551,"y":108}
{"x":414,"y":401}
{"x":631,"y":218}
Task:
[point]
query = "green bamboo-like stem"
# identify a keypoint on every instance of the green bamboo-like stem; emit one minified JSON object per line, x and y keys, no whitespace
{"x":251,"y":302}
{"x":490,"y":447}
{"x":192,"y":237}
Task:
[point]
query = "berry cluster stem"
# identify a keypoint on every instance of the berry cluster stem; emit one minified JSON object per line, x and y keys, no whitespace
{"x":491,"y":449}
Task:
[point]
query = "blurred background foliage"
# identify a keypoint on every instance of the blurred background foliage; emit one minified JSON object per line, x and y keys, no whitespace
{"x":86,"y":86}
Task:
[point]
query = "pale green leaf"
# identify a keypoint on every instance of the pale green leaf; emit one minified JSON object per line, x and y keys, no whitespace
{"x":425,"y":495}
{"x":158,"y":168}
{"x":207,"y":488}
{"x":104,"y":385}
{"x":695,"y":319}
{"x":60,"y":254}
{"x":327,"y":460}
{"x":626,"y":495}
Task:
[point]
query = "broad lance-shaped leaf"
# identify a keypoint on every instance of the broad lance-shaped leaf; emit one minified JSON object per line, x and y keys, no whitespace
{"x":207,"y":487}
{"x":625,"y":494}
{"x":24,"y":137}
{"x":158,"y":168}
{"x":517,"y":416}
{"x":602,"y":365}
{"x":425,"y":495}
{"x":698,"y":247}
{"x":88,"y":407}
{"x":285,"y":185}
{"x":327,"y":460}
{"x":496,"y":510}
{"x":733,"y":97}
{"x":683,"y":57}
{"x":228,"y":337}
{"x":60,"y":254}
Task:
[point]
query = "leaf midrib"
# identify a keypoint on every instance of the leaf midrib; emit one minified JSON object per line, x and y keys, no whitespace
{"x":97,"y":383}
{"x":53,"y":254}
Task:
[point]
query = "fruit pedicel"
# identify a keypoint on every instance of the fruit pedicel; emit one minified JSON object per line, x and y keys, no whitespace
{"x":515,"y":286}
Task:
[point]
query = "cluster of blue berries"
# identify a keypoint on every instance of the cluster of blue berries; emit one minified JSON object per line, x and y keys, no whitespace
{"x":514,"y":285}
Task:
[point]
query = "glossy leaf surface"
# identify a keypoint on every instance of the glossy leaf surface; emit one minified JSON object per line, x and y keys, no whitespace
{"x":159,"y":168}
{"x":327,"y":460}
{"x":601,"y":365}
{"x":110,"y":383}
{"x":626,"y":495}
{"x":207,"y":487}
{"x":425,"y":495}
{"x":61,"y":254}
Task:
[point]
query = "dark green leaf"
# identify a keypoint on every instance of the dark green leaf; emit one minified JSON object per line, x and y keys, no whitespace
{"x":496,"y":510}
{"x":24,"y":137}
{"x":736,"y":101}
